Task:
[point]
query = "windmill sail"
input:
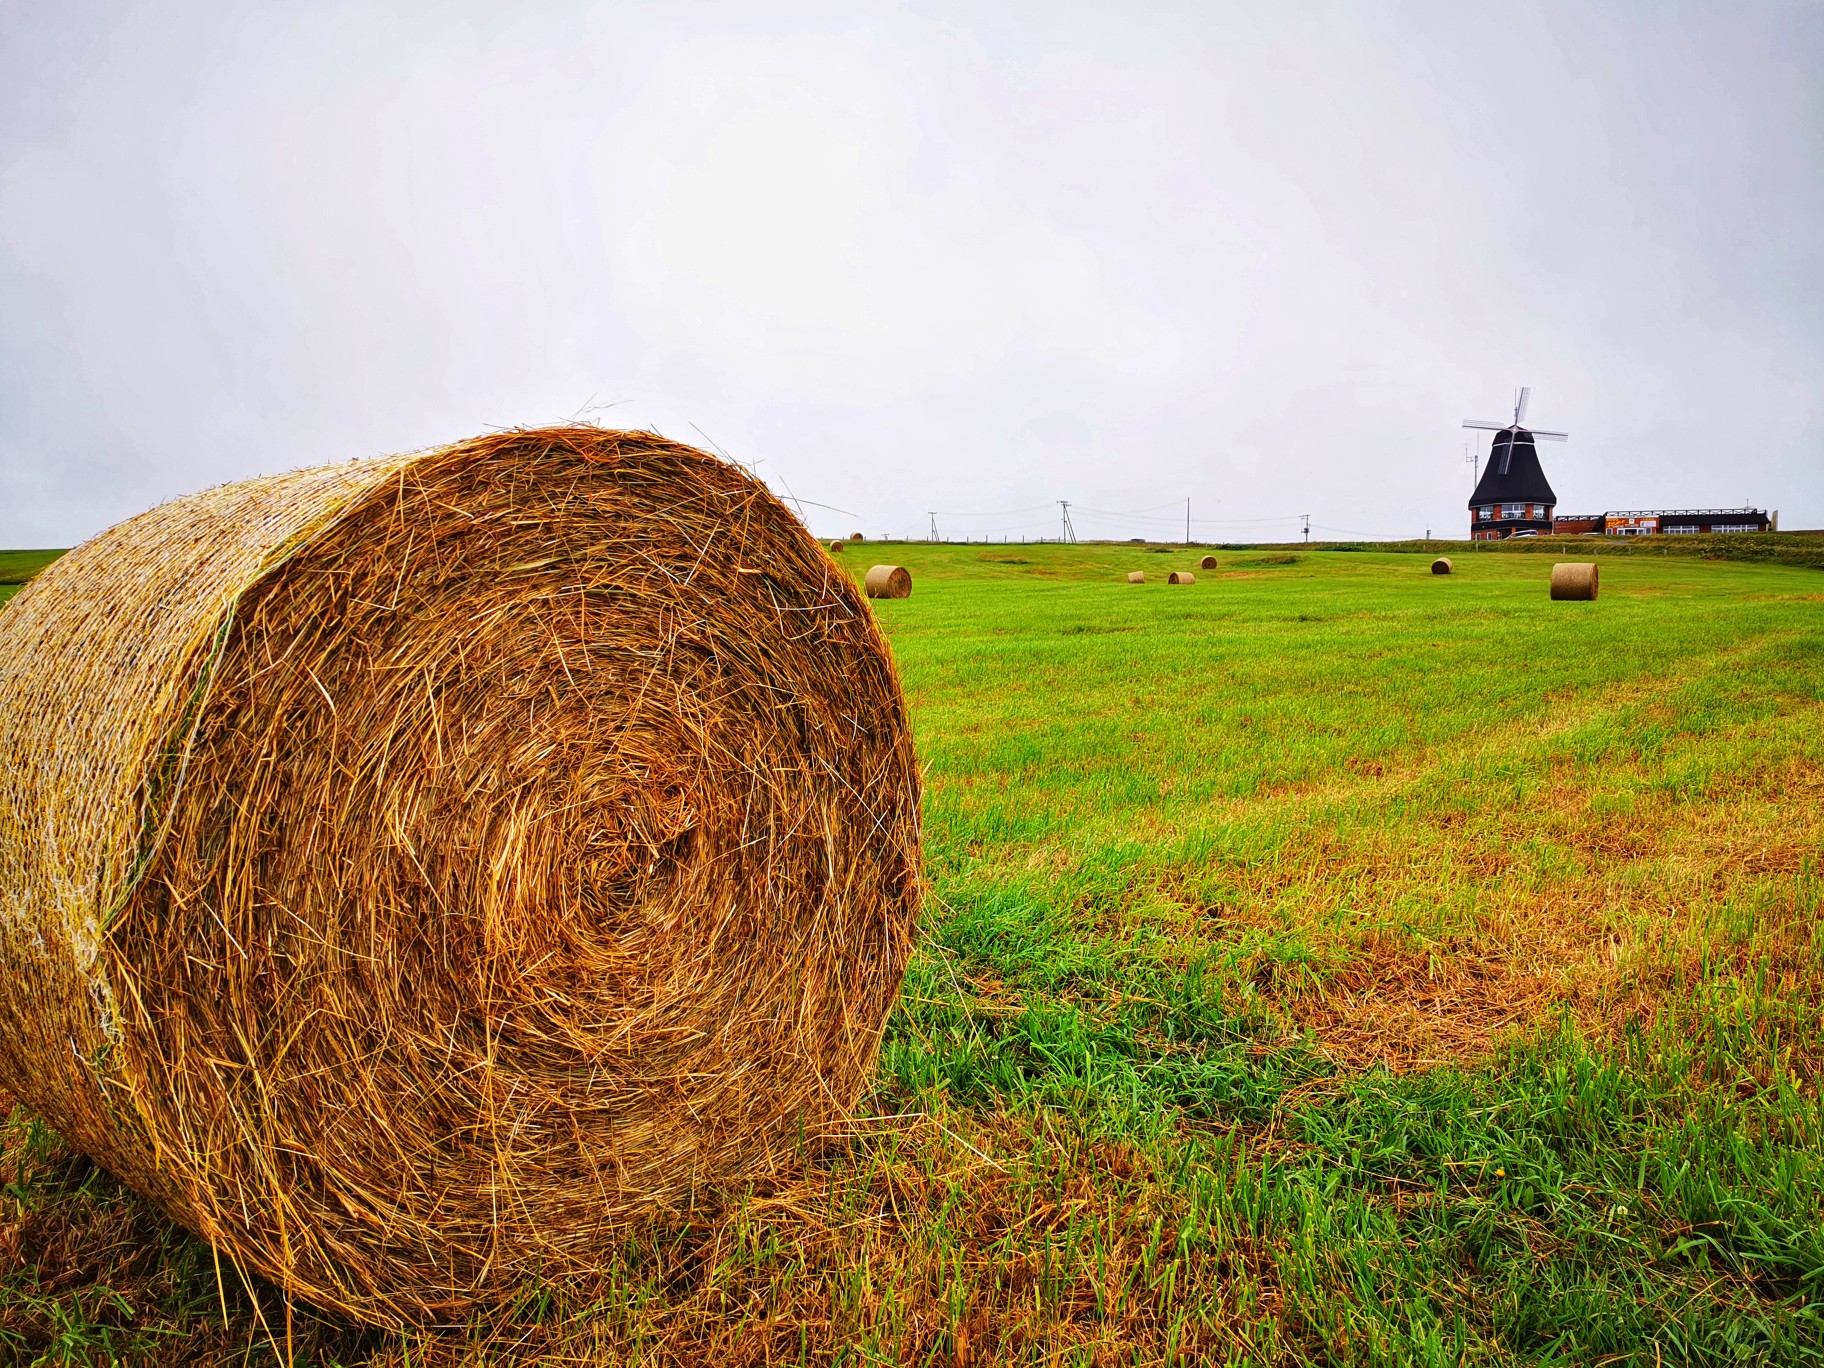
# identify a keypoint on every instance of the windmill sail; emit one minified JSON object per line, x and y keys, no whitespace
{"x":1513,"y":497}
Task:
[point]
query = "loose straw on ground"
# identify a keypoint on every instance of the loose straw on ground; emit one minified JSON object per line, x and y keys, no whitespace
{"x":414,"y":871}
{"x":1574,"y":581}
{"x":889,"y":581}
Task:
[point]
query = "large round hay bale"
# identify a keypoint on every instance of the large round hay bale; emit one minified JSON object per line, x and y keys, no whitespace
{"x":889,"y":581}
{"x":1181,"y":577}
{"x":856,"y":537}
{"x":1574,"y":580}
{"x":1136,"y":577}
{"x":1207,"y":563}
{"x":413,"y":871}
{"x":1441,"y":566}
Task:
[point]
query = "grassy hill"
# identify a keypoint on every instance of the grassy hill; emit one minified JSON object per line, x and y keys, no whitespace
{"x":16,"y":567}
{"x":1771,"y":548}
{"x":1325,"y":962}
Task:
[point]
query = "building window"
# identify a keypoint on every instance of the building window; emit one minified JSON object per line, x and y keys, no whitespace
{"x":1734,"y":527}
{"x":1513,"y":510}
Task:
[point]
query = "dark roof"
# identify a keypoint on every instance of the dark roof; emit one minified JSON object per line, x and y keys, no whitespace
{"x":1513,"y":473}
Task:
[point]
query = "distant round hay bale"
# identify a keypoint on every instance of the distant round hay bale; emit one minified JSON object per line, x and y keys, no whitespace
{"x":1207,"y":563}
{"x":1574,"y":580}
{"x":856,"y":537}
{"x":838,"y":547}
{"x":415,"y":870}
{"x":1181,"y":577}
{"x":1136,"y":577}
{"x":1441,"y":566}
{"x":889,"y":581}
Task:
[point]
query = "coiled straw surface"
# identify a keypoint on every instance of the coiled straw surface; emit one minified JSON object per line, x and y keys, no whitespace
{"x":888,"y":581}
{"x":1575,"y":581}
{"x":414,"y":870}
{"x":1442,"y":566}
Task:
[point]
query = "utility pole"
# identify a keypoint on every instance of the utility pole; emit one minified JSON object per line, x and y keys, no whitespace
{"x":1473,"y":460}
{"x":1307,"y":518}
{"x":1187,"y":519}
{"x":1068,"y":533}
{"x":933,"y":536}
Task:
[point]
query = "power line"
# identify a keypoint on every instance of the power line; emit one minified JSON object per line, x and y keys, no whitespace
{"x":814,"y":504}
{"x":993,"y":513}
{"x":1132,"y":512}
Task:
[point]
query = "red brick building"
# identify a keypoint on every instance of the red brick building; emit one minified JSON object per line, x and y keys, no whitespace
{"x":1666,"y":522}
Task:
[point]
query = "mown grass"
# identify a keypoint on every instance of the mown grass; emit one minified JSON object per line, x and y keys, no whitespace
{"x":1327,"y":962}
{"x":16,"y":567}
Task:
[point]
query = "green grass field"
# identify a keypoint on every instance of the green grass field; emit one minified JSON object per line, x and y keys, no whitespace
{"x":1324,"y":963}
{"x":16,"y":567}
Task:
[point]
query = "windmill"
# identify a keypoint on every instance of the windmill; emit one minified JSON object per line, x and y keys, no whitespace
{"x":1513,"y":497}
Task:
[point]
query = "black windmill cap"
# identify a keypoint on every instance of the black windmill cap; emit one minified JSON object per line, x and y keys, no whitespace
{"x":1513,"y":473}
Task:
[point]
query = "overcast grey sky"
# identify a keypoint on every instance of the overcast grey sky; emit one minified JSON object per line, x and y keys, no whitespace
{"x":970,"y":258}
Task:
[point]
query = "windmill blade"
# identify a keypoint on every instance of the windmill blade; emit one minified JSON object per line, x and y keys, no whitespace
{"x":1520,"y":406}
{"x":1486,"y":427}
{"x":1549,"y":436}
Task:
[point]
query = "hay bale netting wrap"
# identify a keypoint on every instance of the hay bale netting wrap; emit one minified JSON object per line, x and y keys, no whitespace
{"x":1441,"y":566}
{"x":1181,"y":577}
{"x":1574,"y":581}
{"x":1136,"y":577}
{"x":413,"y":871}
{"x":1207,"y":563}
{"x":889,"y":581}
